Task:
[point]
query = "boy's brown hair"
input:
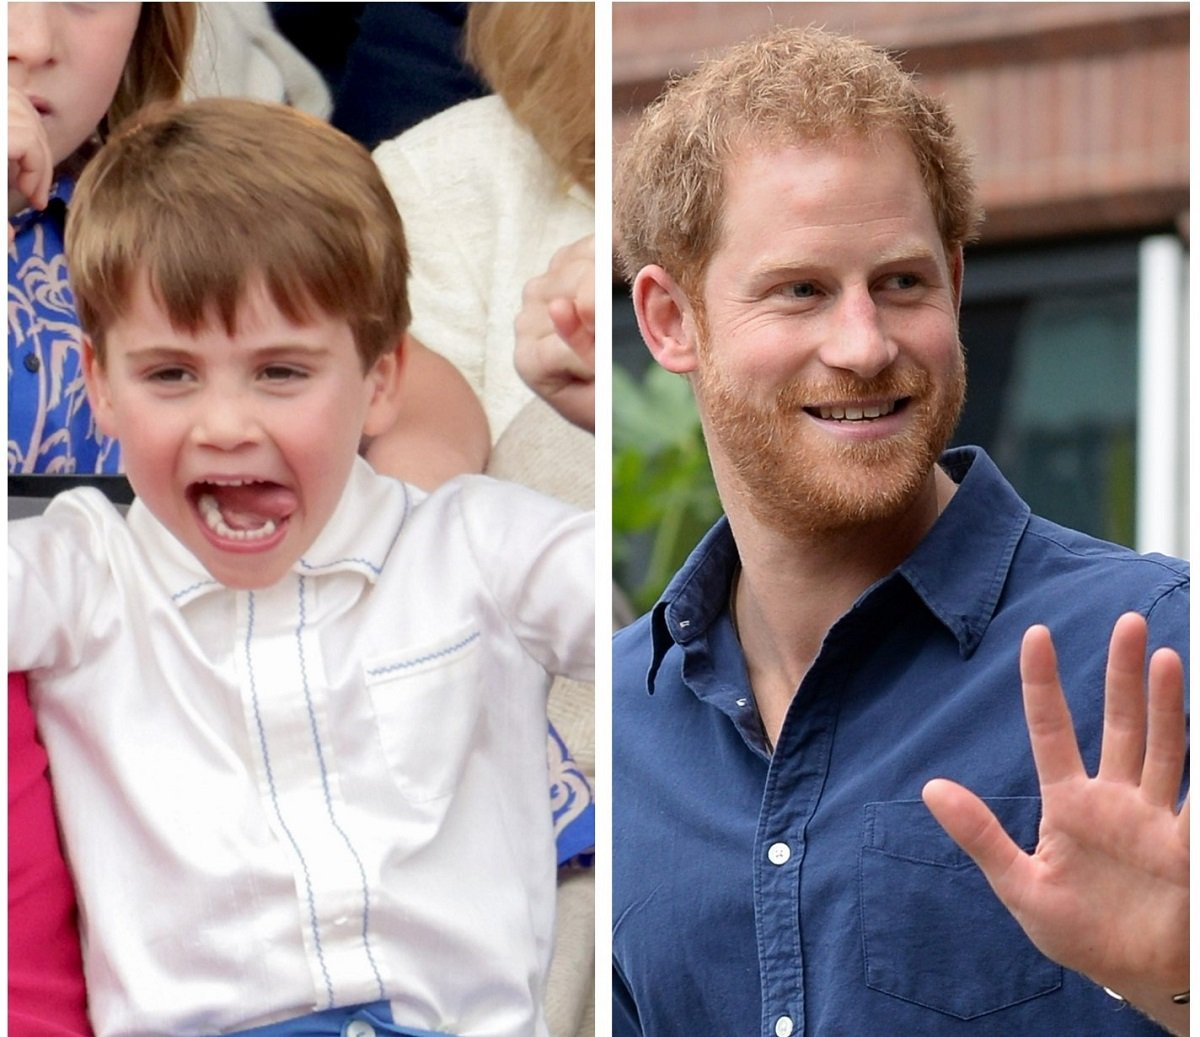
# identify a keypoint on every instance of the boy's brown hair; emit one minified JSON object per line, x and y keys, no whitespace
{"x":790,"y":87}
{"x":205,"y":198}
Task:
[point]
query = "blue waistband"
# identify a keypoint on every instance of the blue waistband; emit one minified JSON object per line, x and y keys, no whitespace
{"x":374,"y":1020}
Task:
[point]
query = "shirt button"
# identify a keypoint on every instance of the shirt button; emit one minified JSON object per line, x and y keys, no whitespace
{"x":358,"y":1028}
{"x":32,"y":363}
{"x":780,"y":853}
{"x":783,"y":1026}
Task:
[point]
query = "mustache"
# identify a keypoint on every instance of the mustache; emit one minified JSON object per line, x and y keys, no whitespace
{"x":847,"y":389}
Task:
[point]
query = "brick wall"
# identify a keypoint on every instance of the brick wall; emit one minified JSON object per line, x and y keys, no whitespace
{"x":1078,"y":112}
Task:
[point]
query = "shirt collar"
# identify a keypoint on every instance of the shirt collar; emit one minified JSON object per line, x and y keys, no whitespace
{"x":958,"y":570}
{"x":358,"y":537}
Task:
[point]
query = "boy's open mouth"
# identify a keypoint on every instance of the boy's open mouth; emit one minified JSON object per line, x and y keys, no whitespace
{"x":242,"y":509}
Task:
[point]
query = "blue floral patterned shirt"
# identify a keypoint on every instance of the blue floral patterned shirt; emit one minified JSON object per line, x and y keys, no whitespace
{"x":50,"y":424}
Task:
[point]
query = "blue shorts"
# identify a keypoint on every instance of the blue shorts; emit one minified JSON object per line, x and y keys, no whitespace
{"x":374,"y":1020}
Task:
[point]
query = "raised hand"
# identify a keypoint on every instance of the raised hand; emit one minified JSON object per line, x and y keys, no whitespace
{"x":1106,"y":890}
{"x":556,"y":333}
{"x":30,"y":162}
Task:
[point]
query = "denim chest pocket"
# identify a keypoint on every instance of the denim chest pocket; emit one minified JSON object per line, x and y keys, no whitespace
{"x":427,"y":700}
{"x":934,"y":933}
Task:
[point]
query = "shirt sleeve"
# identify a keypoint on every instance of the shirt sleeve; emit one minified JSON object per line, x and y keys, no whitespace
{"x":536,"y":556}
{"x":57,"y":581}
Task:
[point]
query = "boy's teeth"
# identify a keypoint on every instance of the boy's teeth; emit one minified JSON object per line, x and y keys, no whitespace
{"x":215,"y":522}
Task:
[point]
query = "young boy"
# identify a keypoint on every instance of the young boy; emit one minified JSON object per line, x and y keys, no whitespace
{"x":294,"y":710}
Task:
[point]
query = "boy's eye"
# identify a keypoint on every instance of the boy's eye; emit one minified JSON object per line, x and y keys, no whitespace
{"x":283,"y":373}
{"x":169,"y":375}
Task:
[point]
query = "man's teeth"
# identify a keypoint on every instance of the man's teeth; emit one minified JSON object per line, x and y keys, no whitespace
{"x":856,"y":413}
{"x":214,"y":520}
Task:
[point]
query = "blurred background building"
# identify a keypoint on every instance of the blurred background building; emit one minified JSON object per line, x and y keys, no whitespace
{"x":1074,"y":312}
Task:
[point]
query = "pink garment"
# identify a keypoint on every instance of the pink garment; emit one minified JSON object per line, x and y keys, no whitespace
{"x":46,"y":994}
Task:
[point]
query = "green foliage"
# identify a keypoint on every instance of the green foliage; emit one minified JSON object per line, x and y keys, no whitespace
{"x":663,"y":498}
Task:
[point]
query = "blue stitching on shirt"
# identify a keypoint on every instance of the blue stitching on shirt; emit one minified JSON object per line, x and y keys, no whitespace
{"x":195,"y":586}
{"x":262,"y":737}
{"x":409,"y":663}
{"x":312,"y":719}
{"x":376,"y":569}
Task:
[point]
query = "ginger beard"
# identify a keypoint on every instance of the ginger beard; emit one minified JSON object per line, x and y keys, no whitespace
{"x":798,"y":480}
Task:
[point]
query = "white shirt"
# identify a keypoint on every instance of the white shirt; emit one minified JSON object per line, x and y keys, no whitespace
{"x":328,"y":792}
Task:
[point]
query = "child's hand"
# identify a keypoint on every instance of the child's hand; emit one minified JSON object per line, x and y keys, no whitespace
{"x":30,"y":162}
{"x":556,"y":333}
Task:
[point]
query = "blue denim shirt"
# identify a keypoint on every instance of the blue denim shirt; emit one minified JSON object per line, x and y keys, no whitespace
{"x":50,"y":423}
{"x":811,"y":892}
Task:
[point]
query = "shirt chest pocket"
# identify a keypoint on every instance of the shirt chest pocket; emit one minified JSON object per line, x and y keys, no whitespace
{"x":428,"y":700}
{"x":934,"y":933}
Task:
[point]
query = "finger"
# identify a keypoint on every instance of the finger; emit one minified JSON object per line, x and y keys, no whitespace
{"x":1165,"y":737}
{"x":571,"y":326}
{"x":1124,"y":743}
{"x":1051,"y":733}
{"x":969,"y":822}
{"x":33,"y":184}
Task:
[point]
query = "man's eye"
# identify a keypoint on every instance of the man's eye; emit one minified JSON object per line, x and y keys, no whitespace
{"x":903,"y":281}
{"x":802,"y":290}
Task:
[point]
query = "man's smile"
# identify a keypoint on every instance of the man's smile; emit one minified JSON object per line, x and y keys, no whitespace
{"x":857,"y":411}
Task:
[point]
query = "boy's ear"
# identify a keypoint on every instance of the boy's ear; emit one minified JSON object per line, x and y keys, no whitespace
{"x":383,"y":383}
{"x":666,"y":320}
{"x":99,"y":393}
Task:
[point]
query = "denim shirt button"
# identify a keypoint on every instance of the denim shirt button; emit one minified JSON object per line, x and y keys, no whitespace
{"x":779,"y":853}
{"x":783,"y":1026}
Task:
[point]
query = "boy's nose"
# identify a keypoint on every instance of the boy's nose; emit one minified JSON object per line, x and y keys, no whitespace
{"x":30,"y":37}
{"x":225,"y":423}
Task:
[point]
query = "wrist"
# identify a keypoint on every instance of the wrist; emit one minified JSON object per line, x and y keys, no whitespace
{"x":1167,"y":1006}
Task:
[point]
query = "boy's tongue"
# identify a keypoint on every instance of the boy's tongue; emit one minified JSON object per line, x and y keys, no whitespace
{"x":252,"y":505}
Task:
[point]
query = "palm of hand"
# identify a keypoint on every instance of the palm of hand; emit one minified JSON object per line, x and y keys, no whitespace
{"x":1106,"y":891}
{"x":1108,"y":883}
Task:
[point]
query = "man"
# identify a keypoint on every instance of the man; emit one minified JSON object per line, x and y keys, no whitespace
{"x":793,"y":217}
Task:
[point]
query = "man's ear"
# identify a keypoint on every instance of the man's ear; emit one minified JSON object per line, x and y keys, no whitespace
{"x":383,"y":383}
{"x":956,"y":276}
{"x":99,"y":393}
{"x":666,"y":320}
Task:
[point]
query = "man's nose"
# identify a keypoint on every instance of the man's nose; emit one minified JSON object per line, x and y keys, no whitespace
{"x":858,"y":341}
{"x":30,"y":37}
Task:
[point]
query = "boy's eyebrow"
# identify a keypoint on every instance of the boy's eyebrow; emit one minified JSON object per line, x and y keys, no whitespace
{"x":166,"y":352}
